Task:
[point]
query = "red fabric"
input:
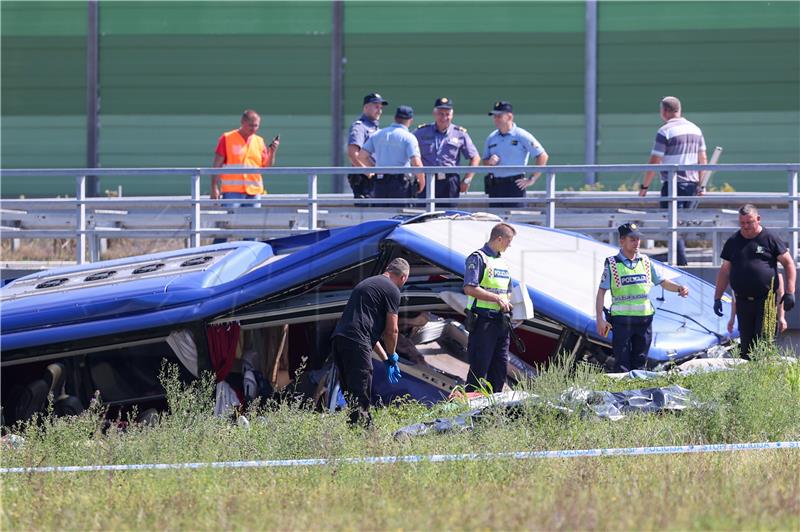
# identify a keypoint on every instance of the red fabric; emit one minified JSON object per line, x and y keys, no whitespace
{"x":222,"y":341}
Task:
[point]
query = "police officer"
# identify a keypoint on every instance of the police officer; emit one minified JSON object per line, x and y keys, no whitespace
{"x":394,"y":146}
{"x":510,"y":145}
{"x":360,"y":130}
{"x":442,"y":143}
{"x":750,"y":263}
{"x":630,"y":276}
{"x":487,"y":284}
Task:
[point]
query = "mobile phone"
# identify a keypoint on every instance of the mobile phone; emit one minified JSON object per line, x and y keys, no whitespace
{"x":277,"y":137}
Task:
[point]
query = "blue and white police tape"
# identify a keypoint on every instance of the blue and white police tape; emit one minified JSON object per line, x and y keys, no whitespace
{"x":433,"y":458}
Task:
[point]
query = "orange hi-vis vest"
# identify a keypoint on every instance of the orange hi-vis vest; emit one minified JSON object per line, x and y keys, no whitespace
{"x":243,"y":153}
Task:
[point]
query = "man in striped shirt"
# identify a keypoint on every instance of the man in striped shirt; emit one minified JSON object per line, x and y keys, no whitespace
{"x":678,"y":141}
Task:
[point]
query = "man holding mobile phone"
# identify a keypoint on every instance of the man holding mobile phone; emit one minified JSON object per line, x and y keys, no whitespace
{"x":238,"y":148}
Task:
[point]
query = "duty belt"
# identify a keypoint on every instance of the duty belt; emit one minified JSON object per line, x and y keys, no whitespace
{"x":496,"y":178}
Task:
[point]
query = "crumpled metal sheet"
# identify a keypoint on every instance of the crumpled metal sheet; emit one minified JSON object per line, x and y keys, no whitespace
{"x":602,"y":404}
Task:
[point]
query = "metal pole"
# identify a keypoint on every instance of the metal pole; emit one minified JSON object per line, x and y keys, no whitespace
{"x":550,"y":194}
{"x":80,"y":221}
{"x":430,"y":191}
{"x":312,"y":203}
{"x":337,"y":77}
{"x":590,"y":89}
{"x":92,"y":96}
{"x":793,"y":214}
{"x":672,"y":247}
{"x":195,"y":239}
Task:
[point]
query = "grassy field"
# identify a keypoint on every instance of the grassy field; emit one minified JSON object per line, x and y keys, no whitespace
{"x":741,"y":490}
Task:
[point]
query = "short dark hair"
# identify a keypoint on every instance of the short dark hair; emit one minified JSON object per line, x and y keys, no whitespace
{"x":502,"y":229}
{"x":399,"y":266}
{"x":748,"y":208}
{"x":671,"y":104}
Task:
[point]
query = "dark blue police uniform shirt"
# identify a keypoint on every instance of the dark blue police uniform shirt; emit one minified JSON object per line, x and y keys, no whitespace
{"x":473,"y":269}
{"x":439,"y":148}
{"x":361,"y":130}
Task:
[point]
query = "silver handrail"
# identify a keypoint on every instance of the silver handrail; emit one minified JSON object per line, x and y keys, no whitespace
{"x":550,"y":198}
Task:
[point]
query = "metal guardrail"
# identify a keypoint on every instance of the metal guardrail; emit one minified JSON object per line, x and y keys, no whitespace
{"x":551,"y":199}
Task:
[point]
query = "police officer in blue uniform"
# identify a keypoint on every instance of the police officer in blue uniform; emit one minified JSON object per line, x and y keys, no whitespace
{"x":442,"y":143}
{"x":487,"y":284}
{"x":394,"y":145}
{"x":630,"y":276}
{"x":510,"y":145}
{"x":360,"y":130}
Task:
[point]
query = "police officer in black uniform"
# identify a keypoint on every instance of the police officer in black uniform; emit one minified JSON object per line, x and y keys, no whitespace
{"x":750,"y":264}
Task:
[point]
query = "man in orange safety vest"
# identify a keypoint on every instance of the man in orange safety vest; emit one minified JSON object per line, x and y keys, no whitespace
{"x":242,"y":148}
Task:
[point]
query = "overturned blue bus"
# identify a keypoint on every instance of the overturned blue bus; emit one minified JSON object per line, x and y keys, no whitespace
{"x":268,"y":308}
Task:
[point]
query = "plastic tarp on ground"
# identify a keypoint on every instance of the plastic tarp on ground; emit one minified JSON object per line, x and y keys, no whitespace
{"x":602,"y":404}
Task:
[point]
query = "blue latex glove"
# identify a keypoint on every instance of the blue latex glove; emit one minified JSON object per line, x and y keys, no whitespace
{"x":718,"y":307}
{"x":392,"y":369}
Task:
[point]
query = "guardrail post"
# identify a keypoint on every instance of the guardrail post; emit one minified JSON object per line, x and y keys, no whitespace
{"x":550,"y":195}
{"x":80,"y":221}
{"x":793,"y":203}
{"x":715,"y":249}
{"x":430,"y":192}
{"x":312,"y":202}
{"x":672,"y":216}
{"x":93,"y":241}
{"x":195,"y":238}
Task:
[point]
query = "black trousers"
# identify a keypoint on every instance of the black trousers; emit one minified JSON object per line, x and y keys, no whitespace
{"x":449,"y":187}
{"x":362,"y":186}
{"x":354,"y":364}
{"x":487,"y":352}
{"x":504,"y":187}
{"x":392,"y":186}
{"x":750,"y":314}
{"x":631,"y":341}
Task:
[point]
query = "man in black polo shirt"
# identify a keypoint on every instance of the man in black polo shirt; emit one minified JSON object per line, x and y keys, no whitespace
{"x":371,"y":313}
{"x":750,"y":263}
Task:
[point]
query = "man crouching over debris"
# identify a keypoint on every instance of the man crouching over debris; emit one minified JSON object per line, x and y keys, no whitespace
{"x":487,"y":284}
{"x":371,"y":313}
{"x":630,"y":276}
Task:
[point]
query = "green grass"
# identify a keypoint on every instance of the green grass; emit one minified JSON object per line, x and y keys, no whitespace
{"x":751,"y":490}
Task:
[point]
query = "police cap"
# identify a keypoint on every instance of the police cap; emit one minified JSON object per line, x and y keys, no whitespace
{"x":443,"y":103}
{"x":404,"y":112}
{"x":374,"y":97}
{"x":629,"y":229}
{"x":501,"y":107}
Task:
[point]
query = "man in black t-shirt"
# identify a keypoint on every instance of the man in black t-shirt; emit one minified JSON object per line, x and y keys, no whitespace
{"x":750,"y":263}
{"x":371,"y":313}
